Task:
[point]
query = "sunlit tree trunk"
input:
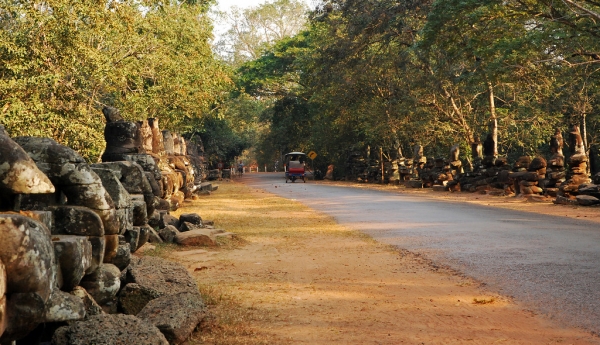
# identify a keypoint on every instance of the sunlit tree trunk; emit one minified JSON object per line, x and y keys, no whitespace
{"x":493,"y":119}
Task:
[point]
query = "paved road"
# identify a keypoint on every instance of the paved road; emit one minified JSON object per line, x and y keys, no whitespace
{"x":550,"y":264}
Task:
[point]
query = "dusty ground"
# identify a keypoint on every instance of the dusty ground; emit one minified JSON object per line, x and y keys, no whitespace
{"x":295,"y":277}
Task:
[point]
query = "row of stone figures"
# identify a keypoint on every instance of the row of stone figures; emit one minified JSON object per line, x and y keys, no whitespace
{"x":68,"y":230}
{"x":566,"y":180}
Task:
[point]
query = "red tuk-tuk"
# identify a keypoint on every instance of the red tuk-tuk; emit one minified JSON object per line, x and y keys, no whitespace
{"x":294,"y":163}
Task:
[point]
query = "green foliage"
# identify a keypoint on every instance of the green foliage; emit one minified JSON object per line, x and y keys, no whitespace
{"x":392,"y":74}
{"x":61,"y":61}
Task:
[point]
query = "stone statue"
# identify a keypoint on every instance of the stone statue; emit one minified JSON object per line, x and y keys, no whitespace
{"x":417,"y":152}
{"x":488,"y":145}
{"x":575,"y":141}
{"x":111,"y":114}
{"x":556,"y":143}
{"x":122,"y":137}
{"x":157,"y":137}
{"x":146,"y":135}
{"x":476,"y":149}
{"x":454,"y":153}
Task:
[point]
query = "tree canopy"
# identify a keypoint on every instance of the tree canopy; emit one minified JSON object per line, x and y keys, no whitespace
{"x":392,"y":74}
{"x":61,"y":61}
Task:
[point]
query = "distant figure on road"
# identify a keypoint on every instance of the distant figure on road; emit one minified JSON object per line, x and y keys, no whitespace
{"x":240,"y":169}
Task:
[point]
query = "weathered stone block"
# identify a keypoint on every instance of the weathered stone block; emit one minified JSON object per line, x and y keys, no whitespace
{"x":167,"y":219}
{"x":24,"y":312}
{"x":131,"y":175}
{"x":163,"y":205}
{"x":565,"y":201}
{"x":439,"y":188}
{"x":168,"y":233}
{"x":125,"y":219}
{"x":153,"y":236}
{"x":74,"y":256}
{"x":62,"y":306}
{"x":38,"y":202}
{"x":113,"y":186}
{"x":414,"y":184}
{"x":198,"y":237}
{"x":176,"y":316}
{"x":103,"y":284}
{"x":144,"y":235}
{"x":98,"y":249}
{"x":590,"y":189}
{"x":132,"y":237}
{"x":168,"y":143}
{"x":27,"y":254}
{"x":18,"y":172}
{"x":556,"y":175}
{"x":185,"y":226}
{"x":206,"y":186}
{"x":587,"y":200}
{"x":123,"y":256}
{"x":140,"y":216}
{"x":579,"y":179}
{"x":90,"y":305}
{"x":160,"y":277}
{"x":531,"y":176}
{"x":111,"y":248}
{"x":48,"y":151}
{"x":109,"y":329}
{"x":577,"y":159}
{"x":192,"y":218}
{"x":76,"y":220}
{"x":93,"y":196}
{"x":177,"y":200}
{"x":536,"y":190}
{"x":133,"y":298}
{"x":44,"y":217}
{"x":156,"y":190}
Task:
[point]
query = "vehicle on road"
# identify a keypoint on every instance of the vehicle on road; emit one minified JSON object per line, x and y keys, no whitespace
{"x":294,"y":164}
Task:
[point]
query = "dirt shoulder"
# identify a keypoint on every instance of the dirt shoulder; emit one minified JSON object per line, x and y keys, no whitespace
{"x":296,"y":277}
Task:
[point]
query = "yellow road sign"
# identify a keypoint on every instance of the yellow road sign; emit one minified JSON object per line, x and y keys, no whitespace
{"x":312,"y":155}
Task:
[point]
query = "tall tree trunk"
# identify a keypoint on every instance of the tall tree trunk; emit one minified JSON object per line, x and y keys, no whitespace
{"x":493,"y":119}
{"x":585,"y":141}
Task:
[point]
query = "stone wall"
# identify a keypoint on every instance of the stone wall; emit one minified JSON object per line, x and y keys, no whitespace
{"x":563,"y":180}
{"x":69,"y":230}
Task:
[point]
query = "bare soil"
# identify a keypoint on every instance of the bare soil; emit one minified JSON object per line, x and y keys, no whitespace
{"x":293,"y":276}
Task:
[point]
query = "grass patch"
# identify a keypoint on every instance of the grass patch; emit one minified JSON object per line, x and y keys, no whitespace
{"x":251,"y":213}
{"x":228,"y":321}
{"x":162,"y":250}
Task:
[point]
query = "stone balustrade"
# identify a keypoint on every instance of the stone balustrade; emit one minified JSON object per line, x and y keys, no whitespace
{"x":69,"y":230}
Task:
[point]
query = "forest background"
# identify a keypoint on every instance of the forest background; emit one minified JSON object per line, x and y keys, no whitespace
{"x":337,"y":79}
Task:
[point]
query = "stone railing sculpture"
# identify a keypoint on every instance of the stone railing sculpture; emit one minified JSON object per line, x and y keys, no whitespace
{"x":69,"y":230}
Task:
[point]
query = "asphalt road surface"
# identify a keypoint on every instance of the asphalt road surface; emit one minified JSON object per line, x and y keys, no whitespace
{"x":550,"y":264}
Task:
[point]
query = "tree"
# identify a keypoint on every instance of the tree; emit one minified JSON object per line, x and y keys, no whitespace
{"x":61,"y":61}
{"x":256,"y":29}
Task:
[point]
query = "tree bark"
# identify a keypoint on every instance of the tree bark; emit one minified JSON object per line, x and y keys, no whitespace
{"x":585,"y":142}
{"x":493,"y":119}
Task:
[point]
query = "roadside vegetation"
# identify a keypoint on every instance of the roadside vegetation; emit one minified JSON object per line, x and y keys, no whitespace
{"x":342,"y":77}
{"x":393,"y":74}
